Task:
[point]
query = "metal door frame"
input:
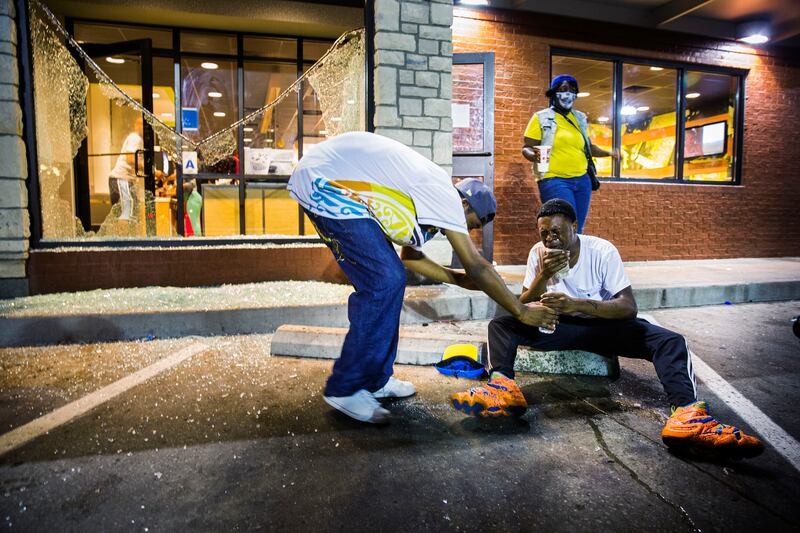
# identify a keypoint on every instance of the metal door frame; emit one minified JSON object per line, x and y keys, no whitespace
{"x":481,"y":163}
{"x":143,"y":48}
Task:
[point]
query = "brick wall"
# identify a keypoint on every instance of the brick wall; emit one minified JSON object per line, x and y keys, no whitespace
{"x":14,"y":225}
{"x":645,"y":221}
{"x":65,"y":270}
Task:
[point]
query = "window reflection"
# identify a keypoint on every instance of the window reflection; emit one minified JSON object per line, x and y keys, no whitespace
{"x":209,"y":104}
{"x":649,"y":96}
{"x":269,"y":141}
{"x":708,"y":144}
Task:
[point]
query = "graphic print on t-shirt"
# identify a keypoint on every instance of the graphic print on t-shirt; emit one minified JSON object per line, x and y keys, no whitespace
{"x":392,"y":209}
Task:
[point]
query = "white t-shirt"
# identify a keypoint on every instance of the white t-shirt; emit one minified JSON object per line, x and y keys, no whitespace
{"x":598,"y":274}
{"x":122,"y":169}
{"x":364,"y":175}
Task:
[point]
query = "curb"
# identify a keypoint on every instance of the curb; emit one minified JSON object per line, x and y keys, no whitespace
{"x":422,"y":305}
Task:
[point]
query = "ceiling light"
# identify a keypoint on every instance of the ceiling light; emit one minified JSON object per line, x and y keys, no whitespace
{"x":219,"y":113}
{"x":247,"y":139}
{"x":323,"y":132}
{"x":336,"y":119}
{"x":602,"y":119}
{"x":351,"y":101}
{"x":215,"y":94}
{"x":268,"y":141}
{"x":166,"y":115}
{"x":474,"y":2}
{"x":756,"y":38}
{"x":156,"y":95}
{"x":643,"y":108}
{"x":583,"y":95}
{"x":692,"y":95}
{"x":628,"y":110}
{"x":248,"y":128}
{"x":209,"y":65}
{"x":753,"y":32}
{"x":115,"y":60}
{"x":656,"y":69}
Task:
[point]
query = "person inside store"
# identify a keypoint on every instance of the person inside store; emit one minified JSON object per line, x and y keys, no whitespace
{"x":122,"y":179}
{"x":364,"y":192}
{"x":582,"y":278}
{"x":567,"y":171}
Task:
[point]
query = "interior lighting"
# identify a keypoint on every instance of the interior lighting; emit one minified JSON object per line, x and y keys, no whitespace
{"x":351,"y":101}
{"x":323,"y":132}
{"x":268,"y":141}
{"x":643,"y":108}
{"x":248,"y":128}
{"x":115,"y":60}
{"x":166,"y":115}
{"x":209,"y":65}
{"x":474,"y":2}
{"x":336,"y":119}
{"x":583,"y":94}
{"x":602,"y":119}
{"x":628,"y":110}
{"x":219,"y":113}
{"x":692,"y":95}
{"x":247,"y":139}
{"x":656,"y":69}
{"x":156,"y":95}
{"x":215,"y":94}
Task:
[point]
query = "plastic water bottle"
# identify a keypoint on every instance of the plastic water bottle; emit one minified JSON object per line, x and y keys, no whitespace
{"x":556,"y":278}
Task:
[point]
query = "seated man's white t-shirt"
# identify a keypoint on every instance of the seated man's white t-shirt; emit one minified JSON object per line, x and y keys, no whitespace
{"x":598,"y":274}
{"x":364,"y":175}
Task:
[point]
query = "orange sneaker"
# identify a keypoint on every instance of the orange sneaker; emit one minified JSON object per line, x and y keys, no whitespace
{"x":500,"y":397}
{"x":692,"y":429}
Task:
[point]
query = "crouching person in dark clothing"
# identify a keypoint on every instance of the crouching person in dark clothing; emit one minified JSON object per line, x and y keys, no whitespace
{"x":583,"y":279}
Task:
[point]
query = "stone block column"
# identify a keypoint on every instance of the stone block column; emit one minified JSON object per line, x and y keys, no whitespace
{"x":14,"y":220}
{"x":413,"y":75}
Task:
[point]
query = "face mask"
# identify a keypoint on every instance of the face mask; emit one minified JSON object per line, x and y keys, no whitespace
{"x":566,"y":99}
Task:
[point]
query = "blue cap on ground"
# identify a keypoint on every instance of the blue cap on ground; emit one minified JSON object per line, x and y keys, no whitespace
{"x":558,"y":80}
{"x":479,"y":197}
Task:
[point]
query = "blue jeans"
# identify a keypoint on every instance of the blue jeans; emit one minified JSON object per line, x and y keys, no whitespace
{"x":576,"y":191}
{"x":375,"y":270}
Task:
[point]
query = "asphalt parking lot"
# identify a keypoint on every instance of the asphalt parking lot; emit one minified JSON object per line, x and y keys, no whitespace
{"x":233,"y":438}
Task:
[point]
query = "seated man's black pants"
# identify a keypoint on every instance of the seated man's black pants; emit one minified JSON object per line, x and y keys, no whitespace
{"x":627,"y":338}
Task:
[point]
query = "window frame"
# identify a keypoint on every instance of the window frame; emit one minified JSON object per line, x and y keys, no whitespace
{"x":176,"y":55}
{"x":681,"y":68}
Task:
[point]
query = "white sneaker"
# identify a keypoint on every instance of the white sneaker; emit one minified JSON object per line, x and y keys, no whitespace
{"x":395,"y":388}
{"x":361,"y":406}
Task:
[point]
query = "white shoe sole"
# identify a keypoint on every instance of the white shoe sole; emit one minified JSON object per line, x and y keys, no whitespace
{"x":384,"y":395}
{"x":379,"y":416}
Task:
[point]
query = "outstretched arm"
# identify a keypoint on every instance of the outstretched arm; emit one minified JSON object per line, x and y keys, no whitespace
{"x":489,"y":281}
{"x":420,"y":263}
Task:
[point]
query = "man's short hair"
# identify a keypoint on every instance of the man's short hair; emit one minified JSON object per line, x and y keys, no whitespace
{"x":557,"y":206}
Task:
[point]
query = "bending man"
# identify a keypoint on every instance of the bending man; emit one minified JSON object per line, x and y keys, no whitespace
{"x":362,"y":191}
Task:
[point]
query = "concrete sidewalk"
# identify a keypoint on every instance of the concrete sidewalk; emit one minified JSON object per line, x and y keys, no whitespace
{"x":657,"y":285}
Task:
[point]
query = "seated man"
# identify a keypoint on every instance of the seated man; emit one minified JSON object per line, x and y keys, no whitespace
{"x":597,"y":313}
{"x":364,"y":192}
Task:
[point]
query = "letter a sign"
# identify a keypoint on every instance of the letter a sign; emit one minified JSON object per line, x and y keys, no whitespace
{"x":189,"y":162}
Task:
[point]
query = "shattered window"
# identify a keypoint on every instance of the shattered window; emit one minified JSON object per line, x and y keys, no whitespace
{"x":108,"y":160}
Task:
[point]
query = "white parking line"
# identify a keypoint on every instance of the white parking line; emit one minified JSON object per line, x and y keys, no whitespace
{"x":784,"y":444}
{"x":24,"y":434}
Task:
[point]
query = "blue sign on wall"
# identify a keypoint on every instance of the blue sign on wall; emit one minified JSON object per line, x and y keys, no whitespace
{"x":190,"y":118}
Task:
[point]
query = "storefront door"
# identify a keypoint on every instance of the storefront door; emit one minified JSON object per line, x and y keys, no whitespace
{"x":473,"y":126}
{"x":110,"y":137}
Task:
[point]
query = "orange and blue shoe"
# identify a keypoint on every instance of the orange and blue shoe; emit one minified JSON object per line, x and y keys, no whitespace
{"x":500,"y":397}
{"x":692,"y":429}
